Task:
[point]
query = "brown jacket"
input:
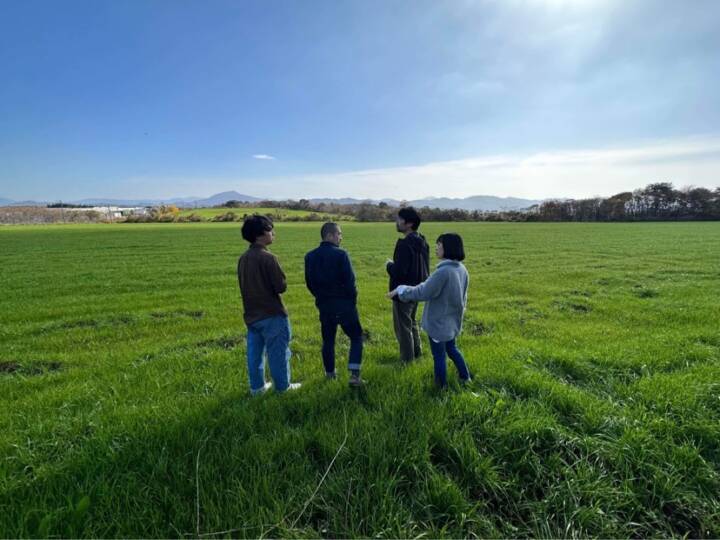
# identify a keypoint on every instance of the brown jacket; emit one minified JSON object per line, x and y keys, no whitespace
{"x":261,"y":283}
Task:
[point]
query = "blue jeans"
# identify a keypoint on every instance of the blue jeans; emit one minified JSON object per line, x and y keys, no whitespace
{"x":439,"y":350}
{"x":347,"y":317}
{"x":270,"y":336}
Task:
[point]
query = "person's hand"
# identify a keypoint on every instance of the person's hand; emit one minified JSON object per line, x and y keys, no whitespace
{"x":392,"y":293}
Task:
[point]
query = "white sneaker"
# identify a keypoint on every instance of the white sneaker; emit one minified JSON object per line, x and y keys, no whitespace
{"x":267,"y":386}
{"x":294,"y":386}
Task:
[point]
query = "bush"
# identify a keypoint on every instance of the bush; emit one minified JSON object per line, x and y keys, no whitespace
{"x":228,"y":216}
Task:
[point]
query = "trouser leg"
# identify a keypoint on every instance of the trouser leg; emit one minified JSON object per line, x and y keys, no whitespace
{"x":277,"y":340}
{"x":438,"y":352}
{"x":403,"y":330}
{"x":456,"y":356}
{"x":417,"y":349}
{"x":328,"y":330}
{"x":350,"y":323}
{"x":255,"y":363}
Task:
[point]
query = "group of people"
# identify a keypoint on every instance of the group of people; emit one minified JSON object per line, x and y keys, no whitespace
{"x":330,"y":278}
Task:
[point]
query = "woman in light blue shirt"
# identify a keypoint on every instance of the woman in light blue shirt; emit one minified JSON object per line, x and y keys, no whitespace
{"x":445,"y":294}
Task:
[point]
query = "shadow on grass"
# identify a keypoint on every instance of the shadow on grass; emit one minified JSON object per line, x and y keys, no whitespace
{"x":333,"y":461}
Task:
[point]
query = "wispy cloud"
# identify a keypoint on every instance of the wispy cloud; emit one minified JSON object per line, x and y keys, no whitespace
{"x":576,"y":173}
{"x":264,"y":156}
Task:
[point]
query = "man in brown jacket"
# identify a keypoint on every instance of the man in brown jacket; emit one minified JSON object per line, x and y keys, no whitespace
{"x":262,"y":281}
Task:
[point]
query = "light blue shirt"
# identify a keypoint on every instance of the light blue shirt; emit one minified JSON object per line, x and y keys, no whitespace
{"x":445,"y":294}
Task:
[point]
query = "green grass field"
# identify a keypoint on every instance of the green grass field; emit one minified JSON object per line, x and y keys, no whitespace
{"x":595,"y":409}
{"x":284,"y":213}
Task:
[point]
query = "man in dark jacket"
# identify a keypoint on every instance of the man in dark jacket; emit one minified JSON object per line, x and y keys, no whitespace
{"x":330,"y":278}
{"x":410,"y":265}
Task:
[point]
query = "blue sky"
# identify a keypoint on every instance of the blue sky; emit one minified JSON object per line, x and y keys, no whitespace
{"x":406,"y":99}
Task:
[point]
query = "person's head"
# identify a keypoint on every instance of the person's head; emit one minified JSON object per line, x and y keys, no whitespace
{"x":258,"y":229}
{"x":331,"y":232}
{"x":408,"y":220}
{"x":450,"y":246}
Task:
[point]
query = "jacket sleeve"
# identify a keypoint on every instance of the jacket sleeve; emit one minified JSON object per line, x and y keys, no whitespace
{"x":308,"y":276}
{"x":277,"y":276}
{"x":427,"y":290}
{"x":400,"y":268}
{"x":348,"y":277}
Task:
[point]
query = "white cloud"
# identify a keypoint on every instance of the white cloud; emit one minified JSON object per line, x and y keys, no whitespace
{"x":263,"y":156}
{"x":576,"y":173}
{"x":565,"y":173}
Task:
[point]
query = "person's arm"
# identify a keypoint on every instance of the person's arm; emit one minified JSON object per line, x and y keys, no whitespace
{"x":390,"y":262}
{"x":400,"y":269}
{"x":427,"y":290}
{"x":308,"y":277}
{"x":348,"y":277}
{"x":277,"y":276}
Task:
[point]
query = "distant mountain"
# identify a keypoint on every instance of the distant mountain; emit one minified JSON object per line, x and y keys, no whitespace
{"x":114,"y":202}
{"x":221,"y":198}
{"x":343,"y":201}
{"x":188,"y":202}
{"x":479,"y":202}
{"x":134,"y":202}
{"x":21,"y":203}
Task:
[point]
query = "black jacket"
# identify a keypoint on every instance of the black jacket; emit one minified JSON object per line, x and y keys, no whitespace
{"x":329,"y":275}
{"x":411,"y":261}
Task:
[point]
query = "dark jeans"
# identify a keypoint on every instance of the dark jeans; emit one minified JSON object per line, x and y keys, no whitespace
{"x":439,"y":349}
{"x":406,"y":329}
{"x":347,"y":317}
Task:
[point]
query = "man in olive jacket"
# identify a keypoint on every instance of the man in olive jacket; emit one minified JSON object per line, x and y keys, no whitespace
{"x":410,"y":265}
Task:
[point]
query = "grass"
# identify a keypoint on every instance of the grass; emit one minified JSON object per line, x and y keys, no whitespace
{"x":595,"y":410}
{"x":281,"y":213}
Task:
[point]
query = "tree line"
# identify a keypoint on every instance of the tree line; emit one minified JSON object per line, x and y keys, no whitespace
{"x":659,"y":201}
{"x":656,"y":202}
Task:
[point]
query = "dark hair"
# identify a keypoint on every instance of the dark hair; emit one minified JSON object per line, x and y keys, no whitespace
{"x":254,"y":226}
{"x":328,"y":228}
{"x":409,"y":214}
{"x":452,"y":246}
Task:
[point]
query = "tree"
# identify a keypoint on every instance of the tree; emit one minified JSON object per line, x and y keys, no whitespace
{"x":615,"y":208}
{"x":661,"y":198}
{"x":699,"y":202}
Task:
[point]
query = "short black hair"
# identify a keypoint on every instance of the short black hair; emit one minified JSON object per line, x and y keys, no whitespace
{"x":410,"y":215}
{"x":328,"y":228}
{"x":254,"y":226}
{"x":452,"y":246}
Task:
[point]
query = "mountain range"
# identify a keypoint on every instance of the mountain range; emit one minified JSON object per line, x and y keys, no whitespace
{"x":477,"y":202}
